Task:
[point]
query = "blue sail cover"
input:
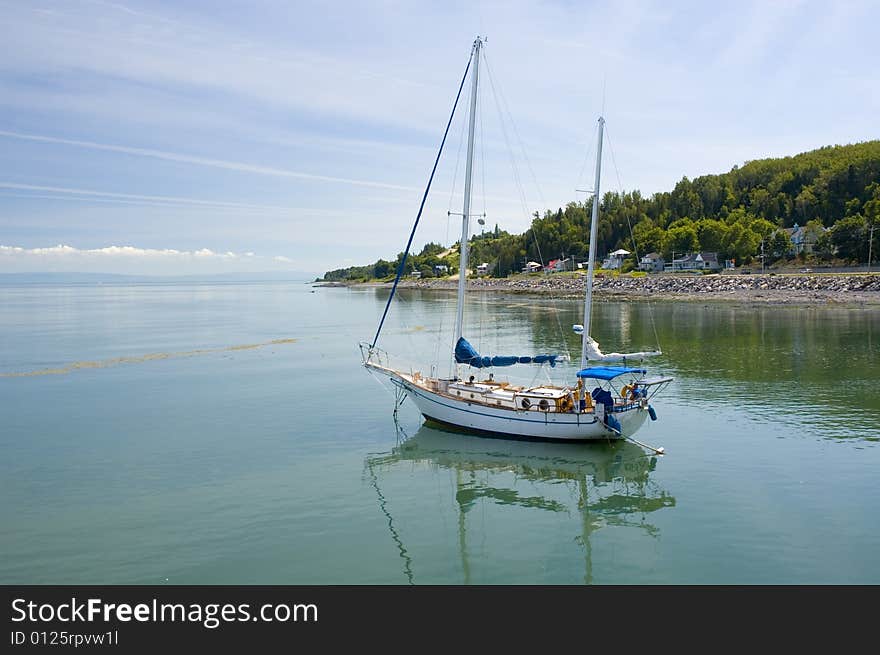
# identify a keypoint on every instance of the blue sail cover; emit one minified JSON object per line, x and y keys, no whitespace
{"x":607,"y":372}
{"x":465,"y":354}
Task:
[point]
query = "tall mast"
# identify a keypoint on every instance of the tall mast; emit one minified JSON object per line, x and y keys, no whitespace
{"x":594,"y":232}
{"x":463,"y":248}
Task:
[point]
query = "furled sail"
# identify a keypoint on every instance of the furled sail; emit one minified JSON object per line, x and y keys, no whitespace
{"x":465,"y":354}
{"x":591,"y":348}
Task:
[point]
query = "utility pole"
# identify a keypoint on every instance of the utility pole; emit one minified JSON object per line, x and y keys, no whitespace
{"x":870,"y":244}
{"x":762,"y":255}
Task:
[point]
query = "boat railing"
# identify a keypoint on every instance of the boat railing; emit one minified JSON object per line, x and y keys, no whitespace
{"x":375,"y":356}
{"x":653,"y":386}
{"x":378,"y":358}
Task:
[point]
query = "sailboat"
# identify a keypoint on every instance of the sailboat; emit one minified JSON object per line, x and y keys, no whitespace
{"x":609,"y":398}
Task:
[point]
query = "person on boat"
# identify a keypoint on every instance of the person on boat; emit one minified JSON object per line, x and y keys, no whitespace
{"x":604,"y":397}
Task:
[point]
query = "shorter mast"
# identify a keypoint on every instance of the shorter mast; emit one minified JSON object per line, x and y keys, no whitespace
{"x":594,"y":235}
{"x":463,"y":248}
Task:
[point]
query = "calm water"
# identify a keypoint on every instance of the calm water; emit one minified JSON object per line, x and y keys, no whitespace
{"x":195,"y":460}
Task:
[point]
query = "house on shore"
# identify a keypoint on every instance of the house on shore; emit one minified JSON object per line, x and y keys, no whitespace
{"x":614,"y":260}
{"x":532,"y":267}
{"x":556,"y":265}
{"x":695,"y":261}
{"x":652,"y":263}
{"x":802,"y":239}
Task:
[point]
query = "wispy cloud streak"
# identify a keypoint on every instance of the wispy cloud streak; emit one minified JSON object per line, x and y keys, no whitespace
{"x":103,"y":195}
{"x":203,"y":161}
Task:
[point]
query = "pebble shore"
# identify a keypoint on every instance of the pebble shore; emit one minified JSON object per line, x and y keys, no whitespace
{"x":833,"y":288}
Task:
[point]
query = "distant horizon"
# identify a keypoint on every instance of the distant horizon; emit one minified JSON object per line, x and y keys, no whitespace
{"x":293,"y":276}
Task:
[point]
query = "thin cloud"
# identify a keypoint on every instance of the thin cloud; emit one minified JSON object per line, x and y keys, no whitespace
{"x":133,"y":196}
{"x":120,"y":201}
{"x":203,"y":161}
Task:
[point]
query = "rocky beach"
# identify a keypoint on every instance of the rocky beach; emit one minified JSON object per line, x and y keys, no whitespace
{"x":812,"y":289}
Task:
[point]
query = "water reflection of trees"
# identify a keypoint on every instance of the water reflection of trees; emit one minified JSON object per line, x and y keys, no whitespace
{"x":750,"y":342}
{"x":763,"y":343}
{"x":609,"y":484}
{"x":775,"y":350}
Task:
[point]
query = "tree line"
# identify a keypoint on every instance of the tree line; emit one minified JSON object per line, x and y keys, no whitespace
{"x":832,"y":193}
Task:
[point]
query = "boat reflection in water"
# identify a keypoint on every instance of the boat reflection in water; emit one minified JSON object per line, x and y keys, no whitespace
{"x":603,"y":484}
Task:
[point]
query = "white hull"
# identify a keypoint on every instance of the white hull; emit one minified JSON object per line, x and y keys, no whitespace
{"x":476,"y":417}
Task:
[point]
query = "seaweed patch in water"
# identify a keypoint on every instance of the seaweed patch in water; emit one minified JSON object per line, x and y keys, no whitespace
{"x":116,"y":361}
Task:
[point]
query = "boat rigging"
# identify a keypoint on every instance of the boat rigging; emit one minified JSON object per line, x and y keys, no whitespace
{"x":589,"y":409}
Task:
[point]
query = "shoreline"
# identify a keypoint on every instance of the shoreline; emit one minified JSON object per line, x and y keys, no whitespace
{"x":836,"y":289}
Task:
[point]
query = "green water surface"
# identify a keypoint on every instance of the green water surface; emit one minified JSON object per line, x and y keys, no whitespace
{"x":209,"y":455}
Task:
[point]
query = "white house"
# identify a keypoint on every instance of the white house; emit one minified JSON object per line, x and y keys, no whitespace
{"x":483,"y":269}
{"x":532,"y":267}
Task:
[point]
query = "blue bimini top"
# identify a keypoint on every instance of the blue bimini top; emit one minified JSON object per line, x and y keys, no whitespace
{"x":607,"y":372}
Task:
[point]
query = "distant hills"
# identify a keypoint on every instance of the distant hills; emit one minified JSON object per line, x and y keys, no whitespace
{"x":833,"y":192}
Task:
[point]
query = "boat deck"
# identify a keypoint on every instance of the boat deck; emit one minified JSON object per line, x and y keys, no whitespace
{"x":492,"y":393}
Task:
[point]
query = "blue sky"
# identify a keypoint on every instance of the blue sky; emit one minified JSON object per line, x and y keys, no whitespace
{"x":200,"y":137}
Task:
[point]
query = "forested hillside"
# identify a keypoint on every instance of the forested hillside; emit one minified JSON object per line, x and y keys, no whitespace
{"x":834,"y":192}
